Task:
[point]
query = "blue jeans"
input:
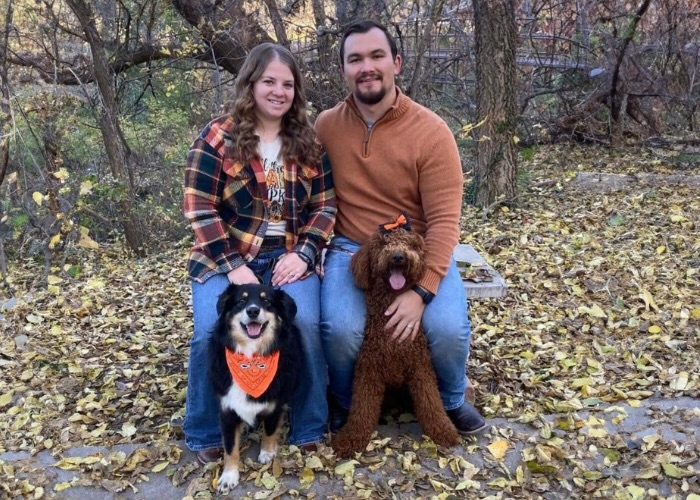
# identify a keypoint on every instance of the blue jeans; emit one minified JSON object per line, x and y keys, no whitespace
{"x":343,"y":313}
{"x":309,"y":409}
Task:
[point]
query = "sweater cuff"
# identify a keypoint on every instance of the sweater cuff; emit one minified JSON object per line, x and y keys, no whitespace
{"x":430,"y":281}
{"x":307,"y":252}
{"x":227,"y":263}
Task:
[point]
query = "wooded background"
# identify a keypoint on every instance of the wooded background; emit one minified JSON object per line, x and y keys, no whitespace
{"x":101,"y":99}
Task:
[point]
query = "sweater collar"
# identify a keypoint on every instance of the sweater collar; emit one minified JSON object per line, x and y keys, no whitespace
{"x":400,"y":106}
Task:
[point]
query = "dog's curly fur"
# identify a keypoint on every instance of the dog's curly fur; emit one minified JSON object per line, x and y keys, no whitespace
{"x":383,"y":361}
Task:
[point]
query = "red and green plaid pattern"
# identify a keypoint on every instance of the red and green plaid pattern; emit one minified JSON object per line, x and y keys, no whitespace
{"x":225,"y":202}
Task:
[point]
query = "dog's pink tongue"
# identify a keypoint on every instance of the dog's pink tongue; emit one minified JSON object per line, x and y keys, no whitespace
{"x":254,"y":329}
{"x":397,"y":280}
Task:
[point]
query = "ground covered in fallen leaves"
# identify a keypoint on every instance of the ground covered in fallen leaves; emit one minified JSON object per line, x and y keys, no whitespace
{"x":603,"y":308}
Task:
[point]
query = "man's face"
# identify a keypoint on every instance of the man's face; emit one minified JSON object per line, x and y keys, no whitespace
{"x":368,"y":66}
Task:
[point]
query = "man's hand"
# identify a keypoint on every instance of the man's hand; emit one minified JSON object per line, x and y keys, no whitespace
{"x":406,"y":313}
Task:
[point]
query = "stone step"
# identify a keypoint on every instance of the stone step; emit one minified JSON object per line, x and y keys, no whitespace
{"x":473,"y":265}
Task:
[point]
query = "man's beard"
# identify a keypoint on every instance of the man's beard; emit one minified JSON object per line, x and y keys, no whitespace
{"x":370,"y":98}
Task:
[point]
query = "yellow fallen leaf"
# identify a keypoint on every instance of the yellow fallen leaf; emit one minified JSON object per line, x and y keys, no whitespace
{"x":498,"y":448}
{"x":648,"y":299}
{"x":680,"y":382}
{"x":313,"y":462}
{"x":69,"y":463}
{"x":85,"y":187}
{"x":654,"y":329}
{"x":159,"y":466}
{"x":55,"y":240}
{"x":695,"y":313}
{"x":594,"y":311}
{"x":37,"y":197}
{"x":128,"y":429}
{"x":53,"y":280}
{"x":636,"y":492}
{"x":61,"y":175}
{"x":660,"y":249}
{"x":6,"y":398}
{"x":307,"y":476}
{"x":672,"y":471}
{"x":347,"y":467}
{"x":597,"y":433}
{"x":62,"y":486}
{"x":86,"y":242}
{"x":269,"y":481}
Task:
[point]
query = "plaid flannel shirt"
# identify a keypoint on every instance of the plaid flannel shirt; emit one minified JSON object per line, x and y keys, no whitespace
{"x":225,"y":203}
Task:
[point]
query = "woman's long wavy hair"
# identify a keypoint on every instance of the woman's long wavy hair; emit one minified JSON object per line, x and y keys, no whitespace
{"x":298,"y":137}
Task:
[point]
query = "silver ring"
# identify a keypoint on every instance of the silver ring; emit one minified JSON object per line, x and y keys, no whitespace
{"x":410,"y":325}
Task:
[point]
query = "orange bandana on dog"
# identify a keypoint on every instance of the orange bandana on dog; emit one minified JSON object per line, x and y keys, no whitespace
{"x":253,"y":375}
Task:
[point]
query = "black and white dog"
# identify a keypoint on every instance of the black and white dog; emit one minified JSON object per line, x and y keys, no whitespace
{"x":255,"y":353}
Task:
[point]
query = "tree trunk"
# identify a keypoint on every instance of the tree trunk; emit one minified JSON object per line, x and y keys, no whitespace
{"x":496,"y":38}
{"x":618,"y":91}
{"x":5,"y":113}
{"x":277,"y":22}
{"x":226,"y":27}
{"x":108,"y":120}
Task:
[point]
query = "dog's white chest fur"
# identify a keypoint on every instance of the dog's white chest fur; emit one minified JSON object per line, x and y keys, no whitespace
{"x":236,"y":400}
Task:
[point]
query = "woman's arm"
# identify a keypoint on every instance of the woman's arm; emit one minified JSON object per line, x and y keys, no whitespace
{"x":322,"y":210}
{"x":204,"y":185}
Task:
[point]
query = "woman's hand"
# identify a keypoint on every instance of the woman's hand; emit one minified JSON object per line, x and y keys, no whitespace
{"x":242,"y":275}
{"x":406,"y":312}
{"x":289,"y":268}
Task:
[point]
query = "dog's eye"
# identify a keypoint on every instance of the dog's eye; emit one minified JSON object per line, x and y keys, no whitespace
{"x":241,"y":302}
{"x":265,"y":301}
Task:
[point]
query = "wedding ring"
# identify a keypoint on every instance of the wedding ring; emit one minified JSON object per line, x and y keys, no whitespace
{"x":410,"y":325}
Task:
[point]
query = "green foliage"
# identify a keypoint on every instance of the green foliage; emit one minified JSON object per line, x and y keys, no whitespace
{"x":528,"y":153}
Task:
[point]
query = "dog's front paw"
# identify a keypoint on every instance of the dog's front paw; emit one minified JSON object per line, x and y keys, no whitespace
{"x":266,"y":456}
{"x":345,"y":446}
{"x":228,"y":480}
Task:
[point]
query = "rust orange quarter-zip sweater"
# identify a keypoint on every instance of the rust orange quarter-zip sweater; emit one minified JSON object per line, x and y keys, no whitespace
{"x":408,"y":160}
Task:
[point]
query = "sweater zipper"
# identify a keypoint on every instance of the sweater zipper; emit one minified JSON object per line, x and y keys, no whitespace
{"x":365,"y":142}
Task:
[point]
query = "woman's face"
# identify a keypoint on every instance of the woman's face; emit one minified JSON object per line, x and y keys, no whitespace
{"x":273,"y":92}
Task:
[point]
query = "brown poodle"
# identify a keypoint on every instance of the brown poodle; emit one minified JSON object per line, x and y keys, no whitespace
{"x":390,"y":263}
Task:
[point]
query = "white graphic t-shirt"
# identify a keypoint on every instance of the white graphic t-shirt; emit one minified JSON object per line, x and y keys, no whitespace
{"x":273,"y":164}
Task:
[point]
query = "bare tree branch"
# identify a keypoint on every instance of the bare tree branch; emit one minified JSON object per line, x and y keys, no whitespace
{"x":5,"y":113}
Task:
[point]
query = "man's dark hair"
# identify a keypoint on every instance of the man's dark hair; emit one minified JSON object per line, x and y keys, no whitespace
{"x":364,"y":27}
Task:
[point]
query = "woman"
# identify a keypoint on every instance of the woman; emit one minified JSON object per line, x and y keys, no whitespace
{"x":261,"y":205}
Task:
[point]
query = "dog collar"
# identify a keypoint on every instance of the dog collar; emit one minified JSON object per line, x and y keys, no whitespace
{"x":255,"y":374}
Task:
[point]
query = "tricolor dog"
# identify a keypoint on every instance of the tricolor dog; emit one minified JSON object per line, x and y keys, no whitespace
{"x":255,"y":354}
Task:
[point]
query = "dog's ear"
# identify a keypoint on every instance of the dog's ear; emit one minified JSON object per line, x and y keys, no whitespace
{"x":361,"y":267}
{"x":289,"y":307}
{"x":223,"y":298}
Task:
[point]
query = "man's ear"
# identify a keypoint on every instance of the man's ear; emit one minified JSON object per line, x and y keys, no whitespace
{"x":397,"y":64}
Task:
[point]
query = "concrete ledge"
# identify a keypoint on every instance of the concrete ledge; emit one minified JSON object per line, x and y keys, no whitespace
{"x":472,"y":264}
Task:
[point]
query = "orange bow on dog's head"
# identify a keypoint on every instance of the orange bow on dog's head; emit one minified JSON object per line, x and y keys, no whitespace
{"x":403,"y":221}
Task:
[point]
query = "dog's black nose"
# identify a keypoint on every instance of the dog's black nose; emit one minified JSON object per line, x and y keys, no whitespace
{"x":397,"y":258}
{"x":252,"y":311}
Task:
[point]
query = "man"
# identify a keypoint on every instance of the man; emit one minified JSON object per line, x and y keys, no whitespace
{"x":388,"y":154}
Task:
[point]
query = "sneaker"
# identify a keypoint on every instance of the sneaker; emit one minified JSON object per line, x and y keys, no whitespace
{"x":210,"y":455}
{"x":467,"y":419}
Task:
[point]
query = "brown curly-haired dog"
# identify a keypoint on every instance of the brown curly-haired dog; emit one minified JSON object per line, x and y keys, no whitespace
{"x":390,"y":263}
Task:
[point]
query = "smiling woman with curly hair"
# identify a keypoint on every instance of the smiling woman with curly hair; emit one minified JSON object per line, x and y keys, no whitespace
{"x":261,"y":204}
